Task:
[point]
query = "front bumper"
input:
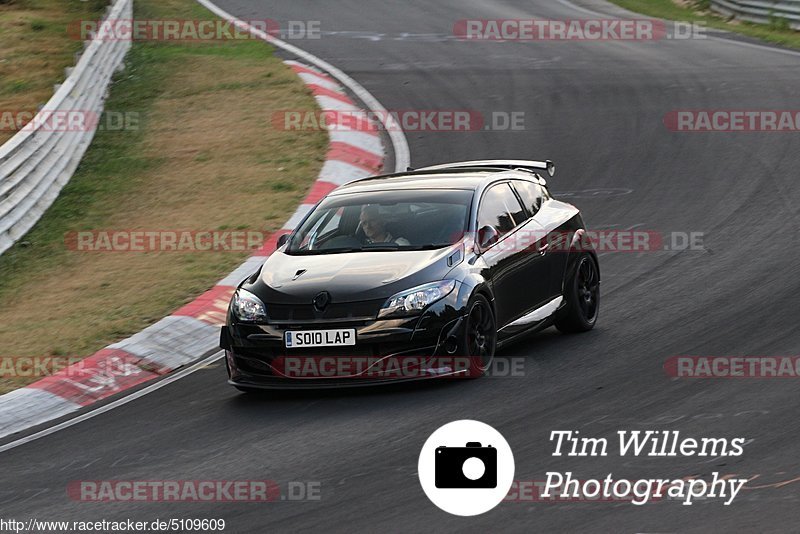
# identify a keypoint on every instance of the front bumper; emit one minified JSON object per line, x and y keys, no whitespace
{"x":386,"y":350}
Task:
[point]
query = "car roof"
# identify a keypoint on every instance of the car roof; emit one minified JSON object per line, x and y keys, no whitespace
{"x":466,"y":179}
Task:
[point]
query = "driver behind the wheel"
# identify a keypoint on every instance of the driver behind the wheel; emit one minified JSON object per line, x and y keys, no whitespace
{"x":374,"y":227}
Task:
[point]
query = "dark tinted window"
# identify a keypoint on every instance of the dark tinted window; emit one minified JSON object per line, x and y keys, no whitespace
{"x":384,"y":221}
{"x":501,"y":209}
{"x":533,"y":195}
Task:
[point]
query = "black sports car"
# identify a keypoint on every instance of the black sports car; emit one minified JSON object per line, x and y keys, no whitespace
{"x":413,"y":275}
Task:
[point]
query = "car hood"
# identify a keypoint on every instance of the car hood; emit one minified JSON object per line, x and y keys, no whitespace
{"x":348,"y":277}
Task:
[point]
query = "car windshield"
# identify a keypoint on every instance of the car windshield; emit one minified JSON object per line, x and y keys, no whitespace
{"x":416,"y":219}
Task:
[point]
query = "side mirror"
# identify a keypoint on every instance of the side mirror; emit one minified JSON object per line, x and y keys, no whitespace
{"x":487,"y":236}
{"x":551,"y":168}
{"x":283,"y":239}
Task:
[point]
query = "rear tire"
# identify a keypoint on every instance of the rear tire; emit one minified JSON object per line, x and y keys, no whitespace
{"x":478,"y":338}
{"x":582,"y":296}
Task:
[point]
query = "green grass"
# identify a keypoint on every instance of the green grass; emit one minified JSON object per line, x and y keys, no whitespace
{"x":185,"y":167}
{"x":35,"y":47}
{"x":777,"y":32}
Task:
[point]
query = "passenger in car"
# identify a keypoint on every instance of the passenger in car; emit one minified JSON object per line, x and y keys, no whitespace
{"x":374,"y":227}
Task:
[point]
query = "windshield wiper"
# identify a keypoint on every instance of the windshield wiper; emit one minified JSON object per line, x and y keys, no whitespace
{"x":433,"y":246}
{"x":381,"y":246}
{"x":378,"y":247}
{"x":321,"y":251}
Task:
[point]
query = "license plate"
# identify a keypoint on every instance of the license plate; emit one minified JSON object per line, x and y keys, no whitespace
{"x":296,"y":339}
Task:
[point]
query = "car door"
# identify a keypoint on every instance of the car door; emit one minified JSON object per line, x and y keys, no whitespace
{"x":516,"y":269}
{"x":552,"y":245}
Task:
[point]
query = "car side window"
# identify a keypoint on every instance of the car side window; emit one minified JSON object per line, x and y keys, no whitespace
{"x":500,"y":209}
{"x":532,"y":195}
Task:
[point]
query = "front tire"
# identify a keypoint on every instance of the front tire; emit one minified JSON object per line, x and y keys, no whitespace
{"x":582,"y":296}
{"x":478,"y":338}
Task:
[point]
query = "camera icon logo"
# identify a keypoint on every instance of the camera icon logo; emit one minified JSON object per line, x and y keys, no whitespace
{"x":472,"y":466}
{"x":466,"y":467}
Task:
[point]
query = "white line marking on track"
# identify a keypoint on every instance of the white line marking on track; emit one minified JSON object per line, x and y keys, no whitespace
{"x":111,"y":405}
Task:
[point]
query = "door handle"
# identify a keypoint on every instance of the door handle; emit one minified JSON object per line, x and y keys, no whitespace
{"x":543,"y":249}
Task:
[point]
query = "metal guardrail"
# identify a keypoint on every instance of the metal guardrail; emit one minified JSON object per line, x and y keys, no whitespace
{"x":760,"y":11}
{"x":40,"y":159}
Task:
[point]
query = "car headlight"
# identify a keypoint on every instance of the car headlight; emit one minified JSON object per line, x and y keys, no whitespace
{"x":248,"y":307}
{"x":416,"y":299}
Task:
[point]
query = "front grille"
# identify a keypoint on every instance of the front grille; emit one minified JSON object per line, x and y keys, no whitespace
{"x":341,"y":311}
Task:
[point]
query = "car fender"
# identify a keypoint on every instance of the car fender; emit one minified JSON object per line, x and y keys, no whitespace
{"x":471,"y":284}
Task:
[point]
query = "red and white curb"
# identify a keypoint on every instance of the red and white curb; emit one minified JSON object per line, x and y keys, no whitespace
{"x":192,"y":332}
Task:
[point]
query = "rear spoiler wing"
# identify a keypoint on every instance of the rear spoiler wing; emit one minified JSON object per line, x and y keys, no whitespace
{"x":498,"y":164}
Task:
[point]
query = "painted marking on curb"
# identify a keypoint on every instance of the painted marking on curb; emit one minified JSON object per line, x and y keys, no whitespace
{"x":367,"y":141}
{"x":340,"y":172}
{"x":305,"y":69}
{"x":101,"y":375}
{"x":318,"y":191}
{"x":347,"y":153}
{"x":310,"y":78}
{"x":318,"y":90}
